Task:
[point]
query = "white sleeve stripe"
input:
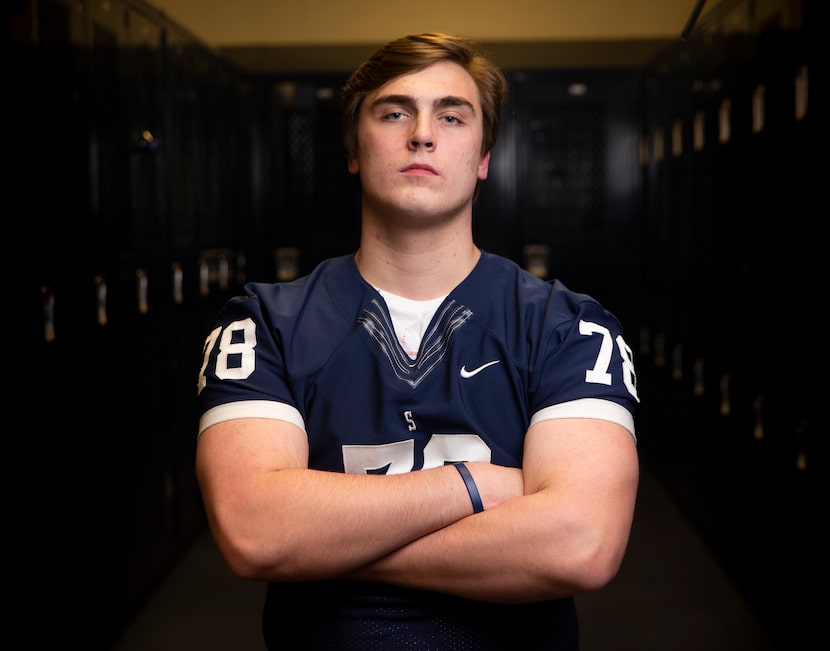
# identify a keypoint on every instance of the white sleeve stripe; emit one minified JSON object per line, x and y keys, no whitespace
{"x":251,"y":409}
{"x":588,"y":408}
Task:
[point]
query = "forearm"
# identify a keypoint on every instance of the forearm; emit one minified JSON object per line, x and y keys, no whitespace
{"x":566,"y":534}
{"x":300,"y":524}
{"x":274,"y":519}
{"x":531,"y":548}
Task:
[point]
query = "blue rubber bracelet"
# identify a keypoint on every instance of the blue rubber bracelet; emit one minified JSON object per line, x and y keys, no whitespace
{"x":472,"y":489}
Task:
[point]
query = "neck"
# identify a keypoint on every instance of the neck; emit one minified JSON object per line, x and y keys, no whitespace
{"x":417,"y":265}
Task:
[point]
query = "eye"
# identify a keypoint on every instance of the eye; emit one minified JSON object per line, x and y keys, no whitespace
{"x":394,"y":116}
{"x":451,"y":119}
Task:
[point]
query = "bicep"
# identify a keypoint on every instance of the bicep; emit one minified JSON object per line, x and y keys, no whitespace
{"x":233,"y":451}
{"x":594,"y":461}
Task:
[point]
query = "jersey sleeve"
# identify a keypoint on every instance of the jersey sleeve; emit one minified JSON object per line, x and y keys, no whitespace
{"x":587,"y":368}
{"x":243,"y":372}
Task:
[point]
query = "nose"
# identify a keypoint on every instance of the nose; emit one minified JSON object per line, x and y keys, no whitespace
{"x":422,"y":134}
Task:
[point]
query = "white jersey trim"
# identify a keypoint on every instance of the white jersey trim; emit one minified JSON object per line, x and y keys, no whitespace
{"x":251,"y":409}
{"x":588,"y":408}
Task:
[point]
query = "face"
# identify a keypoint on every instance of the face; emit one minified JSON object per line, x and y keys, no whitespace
{"x":419,"y":144}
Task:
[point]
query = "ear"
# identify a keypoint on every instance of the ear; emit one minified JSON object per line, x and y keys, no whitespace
{"x":352,"y":164}
{"x":484,"y":166}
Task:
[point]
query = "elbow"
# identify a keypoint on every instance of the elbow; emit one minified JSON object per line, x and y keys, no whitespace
{"x":249,"y":555}
{"x":244,"y":557}
{"x":243,"y":565}
{"x":594,"y":566}
{"x":586,"y":564}
{"x":596,"y":574}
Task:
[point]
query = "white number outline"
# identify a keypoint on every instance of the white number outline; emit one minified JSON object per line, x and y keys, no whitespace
{"x":599,"y":373}
{"x":399,"y":457}
{"x":227,"y":347}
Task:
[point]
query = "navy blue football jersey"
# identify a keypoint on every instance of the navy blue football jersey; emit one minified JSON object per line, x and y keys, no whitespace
{"x":505,"y":349}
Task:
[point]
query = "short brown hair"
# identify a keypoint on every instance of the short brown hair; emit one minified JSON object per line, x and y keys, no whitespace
{"x":413,"y":53}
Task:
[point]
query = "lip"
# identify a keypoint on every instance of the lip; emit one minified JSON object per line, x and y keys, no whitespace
{"x":420,"y":169}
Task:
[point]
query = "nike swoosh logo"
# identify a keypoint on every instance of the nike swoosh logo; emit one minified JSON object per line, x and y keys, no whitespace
{"x":467,"y":374}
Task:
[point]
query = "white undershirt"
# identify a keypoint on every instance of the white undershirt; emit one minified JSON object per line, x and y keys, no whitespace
{"x":410,"y":319}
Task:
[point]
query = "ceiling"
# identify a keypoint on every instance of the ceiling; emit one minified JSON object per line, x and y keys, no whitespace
{"x":263,"y":36}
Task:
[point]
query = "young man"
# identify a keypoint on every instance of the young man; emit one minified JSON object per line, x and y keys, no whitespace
{"x":420,"y":445}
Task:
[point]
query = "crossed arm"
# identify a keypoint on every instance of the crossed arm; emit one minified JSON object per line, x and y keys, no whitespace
{"x":557,"y":527}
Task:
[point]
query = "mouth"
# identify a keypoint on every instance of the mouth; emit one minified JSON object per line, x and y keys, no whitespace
{"x":419,"y":169}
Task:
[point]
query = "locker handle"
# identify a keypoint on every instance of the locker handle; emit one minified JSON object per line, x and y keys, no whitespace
{"x":48,"y":313}
{"x":758,"y":410}
{"x":178,"y":295}
{"x":725,"y":397}
{"x":101,"y":300}
{"x":699,"y":383}
{"x":141,"y":291}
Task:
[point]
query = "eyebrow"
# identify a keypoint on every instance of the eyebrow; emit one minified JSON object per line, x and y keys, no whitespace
{"x":409,"y":100}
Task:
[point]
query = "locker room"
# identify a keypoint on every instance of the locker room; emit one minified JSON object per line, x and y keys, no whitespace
{"x":150,"y":174}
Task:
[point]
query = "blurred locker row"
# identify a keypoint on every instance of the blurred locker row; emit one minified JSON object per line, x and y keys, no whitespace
{"x":732,"y":280}
{"x":148,"y":179}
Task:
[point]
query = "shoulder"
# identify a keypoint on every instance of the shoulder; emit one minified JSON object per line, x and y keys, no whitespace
{"x":507,"y":287}
{"x":334,"y":285}
{"x":495,"y":275}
